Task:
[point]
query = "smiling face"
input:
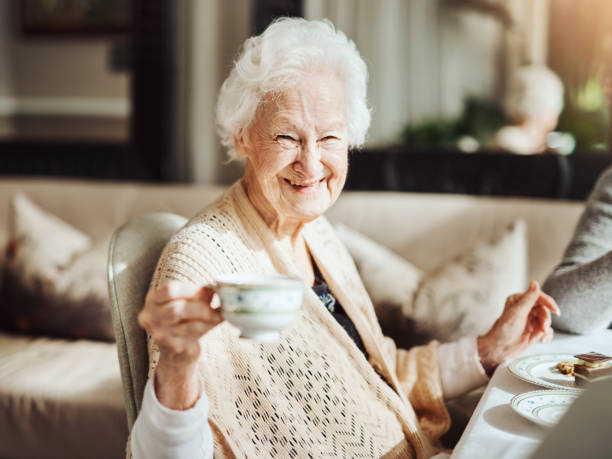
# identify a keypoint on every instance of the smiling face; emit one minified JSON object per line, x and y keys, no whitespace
{"x":297,"y":152}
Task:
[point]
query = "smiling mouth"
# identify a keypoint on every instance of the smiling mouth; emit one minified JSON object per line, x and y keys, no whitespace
{"x":305,"y":184}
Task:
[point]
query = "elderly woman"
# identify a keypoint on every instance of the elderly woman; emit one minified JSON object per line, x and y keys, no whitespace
{"x":534,"y":101}
{"x":293,"y":105}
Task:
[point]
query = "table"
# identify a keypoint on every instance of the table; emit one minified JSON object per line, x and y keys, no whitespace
{"x":495,"y":430}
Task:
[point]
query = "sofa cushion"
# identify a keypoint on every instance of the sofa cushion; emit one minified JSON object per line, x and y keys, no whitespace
{"x":54,"y":278}
{"x":387,"y":277}
{"x":428,"y":229}
{"x":462,"y":296}
{"x":60,"y":398}
{"x":391,"y":282}
{"x":467,"y":294}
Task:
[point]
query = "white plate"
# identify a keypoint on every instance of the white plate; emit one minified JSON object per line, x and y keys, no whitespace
{"x":541,"y":370}
{"x":544,"y":407}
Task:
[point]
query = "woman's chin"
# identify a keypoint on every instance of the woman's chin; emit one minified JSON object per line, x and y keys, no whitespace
{"x":309,"y":210}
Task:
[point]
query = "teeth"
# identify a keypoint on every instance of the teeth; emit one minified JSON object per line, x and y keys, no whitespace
{"x":303,"y":184}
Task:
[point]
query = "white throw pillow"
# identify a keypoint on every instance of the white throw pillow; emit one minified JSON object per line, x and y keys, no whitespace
{"x":461,"y":297}
{"x":54,"y":278}
{"x":467,"y":294}
{"x":388,"y":278}
{"x":43,"y":236}
{"x":391,"y":282}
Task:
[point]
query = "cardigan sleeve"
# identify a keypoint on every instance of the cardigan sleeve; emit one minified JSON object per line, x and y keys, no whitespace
{"x":460,"y":367}
{"x":581,"y":284}
{"x":160,"y":432}
{"x":419,"y":378}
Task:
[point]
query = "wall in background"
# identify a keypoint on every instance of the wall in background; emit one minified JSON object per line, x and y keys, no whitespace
{"x":6,"y":74}
{"x":49,"y":84}
{"x":209,"y":36}
{"x":425,"y":57}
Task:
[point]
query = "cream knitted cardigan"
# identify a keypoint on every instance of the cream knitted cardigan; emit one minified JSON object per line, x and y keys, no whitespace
{"x":313,"y":393}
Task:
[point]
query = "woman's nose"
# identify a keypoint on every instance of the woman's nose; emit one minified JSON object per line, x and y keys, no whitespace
{"x":309,"y":160}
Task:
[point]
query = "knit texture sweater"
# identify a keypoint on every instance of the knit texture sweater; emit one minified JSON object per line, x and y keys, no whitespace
{"x":313,"y":393}
{"x":582,"y":282}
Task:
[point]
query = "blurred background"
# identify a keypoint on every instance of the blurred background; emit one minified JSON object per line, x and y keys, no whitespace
{"x":126,"y":89}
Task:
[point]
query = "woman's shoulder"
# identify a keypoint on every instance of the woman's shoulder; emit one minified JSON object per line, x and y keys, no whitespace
{"x":603,"y":186}
{"x":205,"y":246}
{"x":210,"y":221}
{"x":215,"y":221}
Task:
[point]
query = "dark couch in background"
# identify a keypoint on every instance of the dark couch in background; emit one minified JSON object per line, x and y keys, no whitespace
{"x":483,"y":173}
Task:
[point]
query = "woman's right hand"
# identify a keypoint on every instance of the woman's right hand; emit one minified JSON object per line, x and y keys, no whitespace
{"x":176,"y":315}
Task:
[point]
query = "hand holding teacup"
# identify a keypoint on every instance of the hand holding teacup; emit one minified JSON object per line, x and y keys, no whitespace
{"x":176,"y":315}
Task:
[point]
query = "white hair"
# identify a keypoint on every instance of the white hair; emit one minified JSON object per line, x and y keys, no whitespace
{"x":289,"y":50}
{"x":534,"y":92}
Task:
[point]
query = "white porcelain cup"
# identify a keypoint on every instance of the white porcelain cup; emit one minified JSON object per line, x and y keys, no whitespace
{"x":261,"y":305}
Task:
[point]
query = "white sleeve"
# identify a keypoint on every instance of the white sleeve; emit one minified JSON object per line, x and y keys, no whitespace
{"x":460,"y":368}
{"x":160,"y":432}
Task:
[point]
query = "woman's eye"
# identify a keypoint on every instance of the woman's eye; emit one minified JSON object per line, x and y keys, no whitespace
{"x":330,"y":137}
{"x":285,"y":137}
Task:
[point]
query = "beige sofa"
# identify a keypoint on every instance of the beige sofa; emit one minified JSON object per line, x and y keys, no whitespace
{"x":62,"y":398}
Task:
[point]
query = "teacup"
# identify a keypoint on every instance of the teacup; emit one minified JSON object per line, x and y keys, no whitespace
{"x":261,"y":305}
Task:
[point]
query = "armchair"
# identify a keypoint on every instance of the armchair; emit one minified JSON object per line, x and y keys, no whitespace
{"x":134,"y":250}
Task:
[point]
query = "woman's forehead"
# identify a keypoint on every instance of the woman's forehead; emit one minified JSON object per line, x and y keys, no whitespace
{"x":321,"y":98}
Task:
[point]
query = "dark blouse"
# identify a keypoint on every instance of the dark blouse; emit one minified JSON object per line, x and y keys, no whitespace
{"x":335,"y":308}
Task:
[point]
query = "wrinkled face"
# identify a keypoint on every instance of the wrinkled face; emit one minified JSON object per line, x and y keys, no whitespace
{"x":297,"y":151}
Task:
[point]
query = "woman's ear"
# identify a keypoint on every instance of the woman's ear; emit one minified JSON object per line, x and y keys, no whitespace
{"x":241,"y":145}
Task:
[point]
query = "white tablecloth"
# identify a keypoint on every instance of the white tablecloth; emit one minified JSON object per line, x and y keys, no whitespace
{"x":495,"y":429}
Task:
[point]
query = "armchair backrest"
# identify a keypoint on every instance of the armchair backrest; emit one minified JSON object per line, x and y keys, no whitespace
{"x":134,"y":250}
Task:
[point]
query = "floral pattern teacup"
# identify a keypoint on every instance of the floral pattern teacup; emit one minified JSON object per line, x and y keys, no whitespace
{"x":260,"y":305}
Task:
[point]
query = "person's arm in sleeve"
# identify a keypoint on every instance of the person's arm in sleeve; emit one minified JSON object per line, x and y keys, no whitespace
{"x":526,"y":318}
{"x":160,"y":432}
{"x":173,"y":421}
{"x":460,"y":367}
{"x":582,"y":283}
